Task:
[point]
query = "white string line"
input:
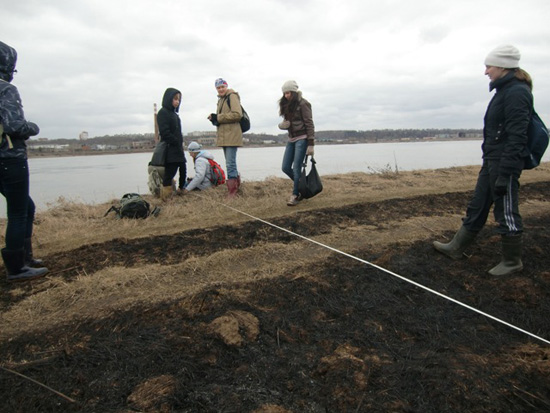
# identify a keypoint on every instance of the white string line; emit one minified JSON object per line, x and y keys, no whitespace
{"x":392,"y":273}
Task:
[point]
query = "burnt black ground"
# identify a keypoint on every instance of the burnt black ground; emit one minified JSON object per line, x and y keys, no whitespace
{"x":346,"y":337}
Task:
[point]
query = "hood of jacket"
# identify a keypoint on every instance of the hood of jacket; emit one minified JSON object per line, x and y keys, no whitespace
{"x":168,"y":98}
{"x":205,"y":155}
{"x":8,"y":59}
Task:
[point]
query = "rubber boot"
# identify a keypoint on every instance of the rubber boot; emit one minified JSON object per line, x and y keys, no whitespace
{"x":511,"y":256}
{"x":232,"y":187}
{"x":14,"y":260}
{"x":166,"y":193}
{"x":30,"y":261}
{"x":454,"y":249}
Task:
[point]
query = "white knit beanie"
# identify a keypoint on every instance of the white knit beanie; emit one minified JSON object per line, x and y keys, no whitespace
{"x":505,"y":56}
{"x":290,"y":86}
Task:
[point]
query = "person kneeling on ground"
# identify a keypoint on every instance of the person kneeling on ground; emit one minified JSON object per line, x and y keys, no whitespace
{"x":203,"y":170}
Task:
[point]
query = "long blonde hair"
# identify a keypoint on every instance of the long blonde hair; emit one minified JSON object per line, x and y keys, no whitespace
{"x":524,"y":77}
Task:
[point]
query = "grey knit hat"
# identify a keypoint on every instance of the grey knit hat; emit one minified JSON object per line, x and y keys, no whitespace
{"x":290,"y":86}
{"x":194,"y":147}
{"x":505,"y":56}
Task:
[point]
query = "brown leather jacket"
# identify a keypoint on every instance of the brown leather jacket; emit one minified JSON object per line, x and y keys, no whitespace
{"x":302,"y":121}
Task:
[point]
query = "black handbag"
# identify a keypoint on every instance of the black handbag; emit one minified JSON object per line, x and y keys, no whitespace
{"x":159,"y":154}
{"x":310,"y":183}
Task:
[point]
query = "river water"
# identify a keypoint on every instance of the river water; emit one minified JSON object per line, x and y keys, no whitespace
{"x":100,"y":178}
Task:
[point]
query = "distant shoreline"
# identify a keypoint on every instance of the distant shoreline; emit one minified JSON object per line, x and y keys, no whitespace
{"x":33,"y":154}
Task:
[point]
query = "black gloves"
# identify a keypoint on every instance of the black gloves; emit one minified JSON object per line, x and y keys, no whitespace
{"x":214,"y":119}
{"x":501,"y":185}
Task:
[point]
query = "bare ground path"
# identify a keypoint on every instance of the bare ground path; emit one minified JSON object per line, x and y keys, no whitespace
{"x":238,"y":316}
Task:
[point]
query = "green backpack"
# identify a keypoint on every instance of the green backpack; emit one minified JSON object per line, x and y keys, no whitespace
{"x":133,"y":206}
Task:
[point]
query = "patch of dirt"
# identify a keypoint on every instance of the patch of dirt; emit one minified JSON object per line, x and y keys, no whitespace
{"x":323,"y":335}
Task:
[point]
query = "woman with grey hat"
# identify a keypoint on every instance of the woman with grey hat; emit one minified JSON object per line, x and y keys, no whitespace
{"x":298,"y":121}
{"x":504,"y":150}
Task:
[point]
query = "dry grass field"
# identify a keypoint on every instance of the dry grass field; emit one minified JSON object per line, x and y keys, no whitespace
{"x":252,"y":306}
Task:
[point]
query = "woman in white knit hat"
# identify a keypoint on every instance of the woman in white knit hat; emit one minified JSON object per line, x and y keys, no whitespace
{"x":504,"y":150}
{"x":298,"y":121}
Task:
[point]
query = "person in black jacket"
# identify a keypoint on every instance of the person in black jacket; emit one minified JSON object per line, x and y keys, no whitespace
{"x":14,"y":175}
{"x":170,"y":132}
{"x":504,"y":150}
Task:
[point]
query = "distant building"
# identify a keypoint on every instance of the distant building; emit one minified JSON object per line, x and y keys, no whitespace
{"x":206,"y":138}
{"x":205,"y":134}
{"x":142,"y":144}
{"x":207,"y":141}
{"x":55,"y":147}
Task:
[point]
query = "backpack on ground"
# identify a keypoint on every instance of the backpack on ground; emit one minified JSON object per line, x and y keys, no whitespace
{"x":218,"y":174}
{"x":133,"y":206}
{"x":537,"y":141}
{"x":245,"y":119}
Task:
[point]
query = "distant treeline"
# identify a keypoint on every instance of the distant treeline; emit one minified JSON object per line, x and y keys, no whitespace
{"x":128,"y":140}
{"x":118,"y":140}
{"x":375,"y":135}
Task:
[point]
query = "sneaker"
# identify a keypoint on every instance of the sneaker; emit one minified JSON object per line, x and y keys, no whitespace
{"x":27,"y":274}
{"x":293,"y":201}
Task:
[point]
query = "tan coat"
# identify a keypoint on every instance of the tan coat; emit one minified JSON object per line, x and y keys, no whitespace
{"x":229,"y":115}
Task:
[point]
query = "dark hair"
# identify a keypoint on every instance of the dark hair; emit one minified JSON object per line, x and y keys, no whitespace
{"x":288,"y":107}
{"x":524,"y":77}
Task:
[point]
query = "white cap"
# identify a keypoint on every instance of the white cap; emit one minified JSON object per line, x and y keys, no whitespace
{"x":505,"y":56}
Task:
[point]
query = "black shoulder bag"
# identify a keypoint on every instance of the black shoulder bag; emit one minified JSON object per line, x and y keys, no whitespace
{"x":310,"y":183}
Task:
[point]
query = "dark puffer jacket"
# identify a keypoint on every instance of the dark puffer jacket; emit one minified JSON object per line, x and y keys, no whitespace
{"x":170,"y":127}
{"x":506,"y":122}
{"x":15,"y":128}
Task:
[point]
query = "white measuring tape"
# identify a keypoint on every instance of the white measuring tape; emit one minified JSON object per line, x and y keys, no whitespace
{"x":392,"y":273}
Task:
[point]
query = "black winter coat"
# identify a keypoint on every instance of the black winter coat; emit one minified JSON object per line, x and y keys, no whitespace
{"x":15,"y":128}
{"x":170,"y":127}
{"x":506,"y":122}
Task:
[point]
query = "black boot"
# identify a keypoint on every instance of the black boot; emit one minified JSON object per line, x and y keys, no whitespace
{"x":454,"y":249}
{"x":511,"y":256}
{"x":30,"y":261}
{"x":16,"y":270}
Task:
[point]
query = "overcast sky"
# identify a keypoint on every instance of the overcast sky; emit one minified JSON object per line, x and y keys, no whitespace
{"x":100,"y":65}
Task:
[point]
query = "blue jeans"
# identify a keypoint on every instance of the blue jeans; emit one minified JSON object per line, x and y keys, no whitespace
{"x":295,"y":153}
{"x":230,"y":153}
{"x":14,"y":185}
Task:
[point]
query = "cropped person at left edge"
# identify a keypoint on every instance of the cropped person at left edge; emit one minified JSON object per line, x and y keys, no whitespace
{"x":14,"y":175}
